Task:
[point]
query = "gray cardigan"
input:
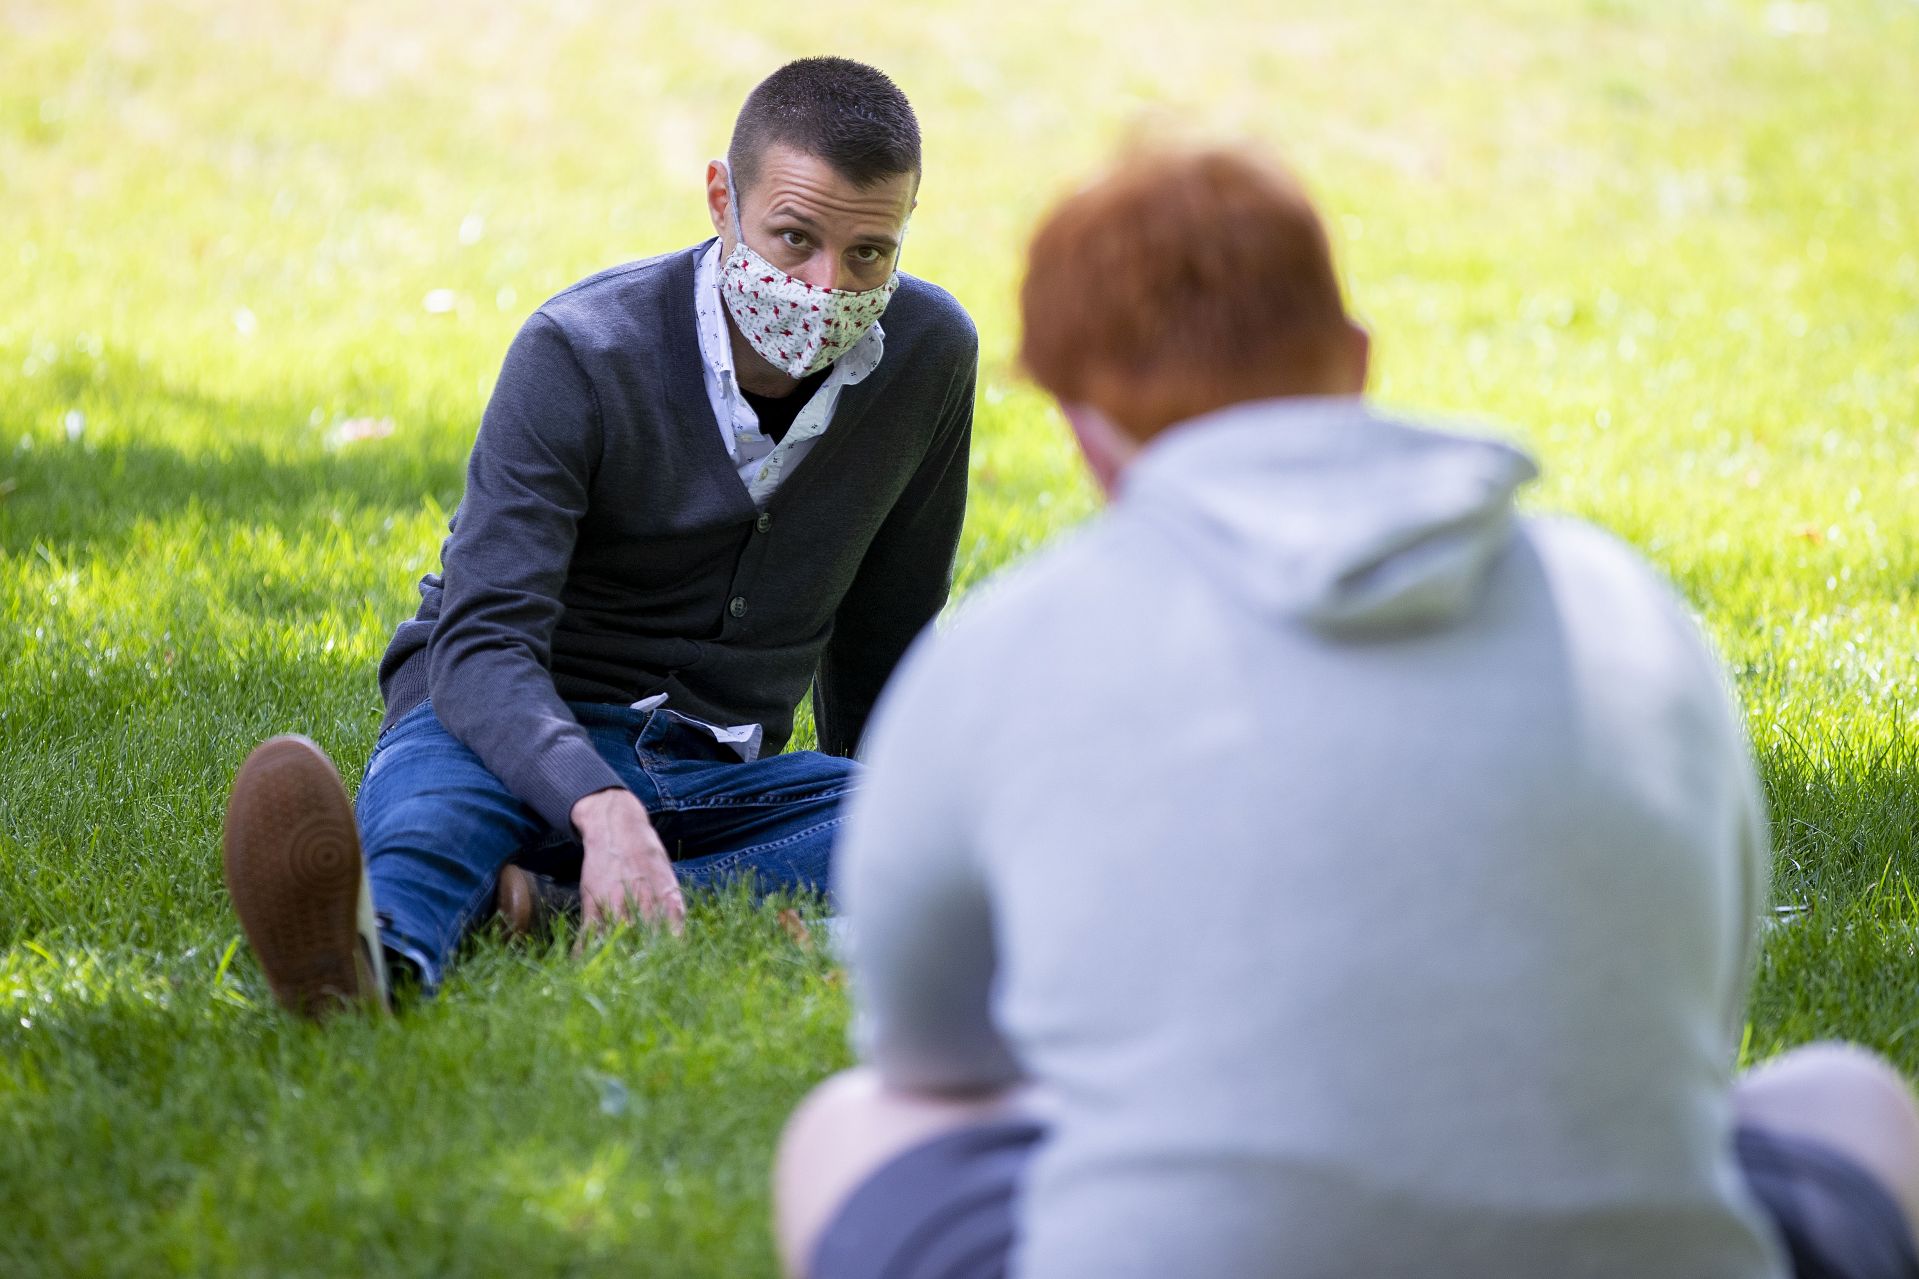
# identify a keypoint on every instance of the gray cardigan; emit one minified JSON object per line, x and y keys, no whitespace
{"x":605,"y":549}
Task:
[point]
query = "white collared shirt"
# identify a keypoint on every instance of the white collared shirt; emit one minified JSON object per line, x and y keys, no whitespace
{"x":761,"y":462}
{"x":759,"y":459}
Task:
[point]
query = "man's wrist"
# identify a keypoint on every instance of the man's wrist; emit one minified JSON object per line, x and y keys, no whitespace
{"x":589,"y":809}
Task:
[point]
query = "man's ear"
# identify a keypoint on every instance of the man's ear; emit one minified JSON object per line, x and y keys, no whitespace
{"x":1108,"y":450}
{"x":719,"y":198}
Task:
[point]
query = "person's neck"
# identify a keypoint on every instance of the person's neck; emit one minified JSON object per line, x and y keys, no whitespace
{"x":752,"y":371}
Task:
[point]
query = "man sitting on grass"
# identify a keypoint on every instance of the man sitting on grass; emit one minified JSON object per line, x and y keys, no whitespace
{"x":705,"y":481}
{"x":1311,"y":868}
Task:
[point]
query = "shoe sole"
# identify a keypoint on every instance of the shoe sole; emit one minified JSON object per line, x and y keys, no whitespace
{"x":295,"y":874}
{"x":513,"y":903}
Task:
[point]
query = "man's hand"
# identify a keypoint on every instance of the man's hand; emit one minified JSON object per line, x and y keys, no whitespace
{"x":626,"y":865}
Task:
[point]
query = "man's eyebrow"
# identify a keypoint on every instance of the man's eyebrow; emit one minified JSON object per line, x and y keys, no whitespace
{"x":793,"y":215}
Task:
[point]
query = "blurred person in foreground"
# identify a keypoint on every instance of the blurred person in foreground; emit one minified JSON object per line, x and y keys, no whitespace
{"x":1311,"y":867}
{"x":705,"y":482}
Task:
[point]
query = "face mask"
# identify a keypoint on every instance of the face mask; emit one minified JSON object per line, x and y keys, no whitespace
{"x":798,"y":328}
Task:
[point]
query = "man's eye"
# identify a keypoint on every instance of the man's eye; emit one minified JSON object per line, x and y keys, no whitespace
{"x":867,"y":256}
{"x":794,"y":239}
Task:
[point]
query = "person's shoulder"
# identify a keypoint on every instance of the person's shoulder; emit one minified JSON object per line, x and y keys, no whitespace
{"x":921,"y":312}
{"x":620,"y":296}
{"x":1581,"y":554}
{"x":1610,"y":596}
{"x":619,"y":283}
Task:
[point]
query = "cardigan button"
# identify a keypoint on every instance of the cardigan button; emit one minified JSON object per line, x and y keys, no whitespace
{"x":738,"y":607}
{"x":764,"y":522}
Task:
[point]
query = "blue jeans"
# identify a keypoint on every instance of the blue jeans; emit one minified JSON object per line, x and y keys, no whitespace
{"x":436,"y":825}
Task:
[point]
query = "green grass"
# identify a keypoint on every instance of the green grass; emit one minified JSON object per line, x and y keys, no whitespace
{"x":1671,"y":247}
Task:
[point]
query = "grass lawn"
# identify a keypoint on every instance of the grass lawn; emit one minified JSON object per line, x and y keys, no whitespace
{"x":261,"y":262}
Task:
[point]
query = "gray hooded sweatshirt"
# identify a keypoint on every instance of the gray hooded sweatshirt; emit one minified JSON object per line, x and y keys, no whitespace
{"x":1368,"y":876}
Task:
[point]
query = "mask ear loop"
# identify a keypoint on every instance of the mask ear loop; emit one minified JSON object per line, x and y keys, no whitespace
{"x":732,"y":203}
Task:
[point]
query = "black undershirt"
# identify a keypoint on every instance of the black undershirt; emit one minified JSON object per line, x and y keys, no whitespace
{"x":776,"y":413}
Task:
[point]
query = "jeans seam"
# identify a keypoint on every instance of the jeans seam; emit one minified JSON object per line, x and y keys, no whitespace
{"x":468,"y":913}
{"x":770,"y":846}
{"x":762,"y":801}
{"x":667,"y":802}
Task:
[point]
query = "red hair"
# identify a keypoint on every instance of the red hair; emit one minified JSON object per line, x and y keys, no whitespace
{"x":1179,"y":283}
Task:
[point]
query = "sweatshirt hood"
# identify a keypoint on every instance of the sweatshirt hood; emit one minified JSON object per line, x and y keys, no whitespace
{"x":1320,"y":511}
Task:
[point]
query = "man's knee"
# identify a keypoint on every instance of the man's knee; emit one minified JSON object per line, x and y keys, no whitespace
{"x":825,"y":1151}
{"x":471,"y":830}
{"x":842,"y":1133}
{"x":1819,"y":1078}
{"x":1846,"y":1098}
{"x":833,"y":1108}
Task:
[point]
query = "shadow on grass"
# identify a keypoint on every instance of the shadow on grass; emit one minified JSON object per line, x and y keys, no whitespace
{"x":261,"y":461}
{"x":82,"y":497}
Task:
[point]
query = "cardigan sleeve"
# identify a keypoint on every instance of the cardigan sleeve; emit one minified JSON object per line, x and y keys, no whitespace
{"x":505,"y":563}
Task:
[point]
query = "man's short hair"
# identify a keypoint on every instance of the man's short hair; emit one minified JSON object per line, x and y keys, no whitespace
{"x":1179,"y":283}
{"x":846,"y":113}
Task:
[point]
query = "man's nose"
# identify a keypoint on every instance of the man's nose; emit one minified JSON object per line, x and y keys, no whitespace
{"x":824,"y":271}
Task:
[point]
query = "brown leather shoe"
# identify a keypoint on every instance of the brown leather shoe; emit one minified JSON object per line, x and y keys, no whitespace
{"x":530,"y":903}
{"x":298,"y":883}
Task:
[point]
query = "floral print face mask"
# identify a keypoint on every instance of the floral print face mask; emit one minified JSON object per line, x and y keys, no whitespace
{"x":798,"y":328}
